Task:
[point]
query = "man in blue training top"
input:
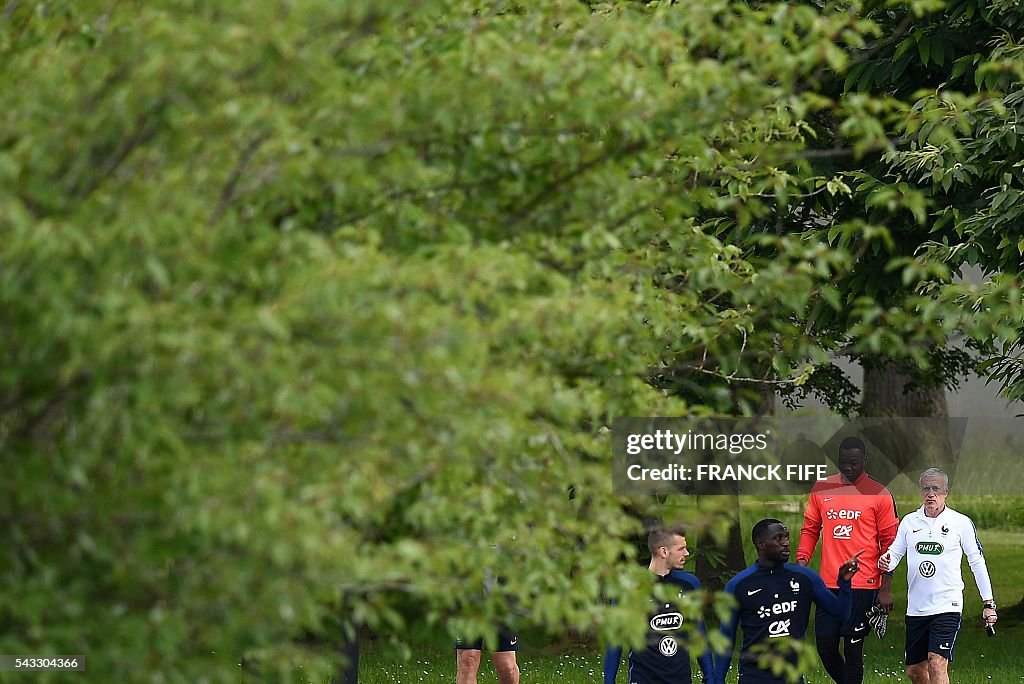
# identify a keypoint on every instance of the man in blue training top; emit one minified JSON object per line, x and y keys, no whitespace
{"x":665,"y":658}
{"x":774,"y":602}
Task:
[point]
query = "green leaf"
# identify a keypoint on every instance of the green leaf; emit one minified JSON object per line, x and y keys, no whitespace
{"x":961,"y":65}
{"x":924,"y":45}
{"x":1002,"y":198}
{"x":904,"y":46}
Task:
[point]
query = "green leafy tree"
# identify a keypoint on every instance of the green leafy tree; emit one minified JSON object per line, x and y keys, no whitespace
{"x":314,"y":312}
{"x":931,"y":171}
{"x":973,"y":176}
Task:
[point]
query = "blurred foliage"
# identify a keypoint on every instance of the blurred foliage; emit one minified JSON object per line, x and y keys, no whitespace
{"x":315,"y":311}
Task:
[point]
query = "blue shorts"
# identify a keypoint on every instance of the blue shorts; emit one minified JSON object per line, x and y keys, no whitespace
{"x":931,"y":634}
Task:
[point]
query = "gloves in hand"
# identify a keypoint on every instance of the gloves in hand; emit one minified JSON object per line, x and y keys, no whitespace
{"x":878,"y":619}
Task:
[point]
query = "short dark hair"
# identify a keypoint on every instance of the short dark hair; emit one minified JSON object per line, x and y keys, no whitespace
{"x":760,"y":530}
{"x":853,"y":444}
{"x":662,"y":535}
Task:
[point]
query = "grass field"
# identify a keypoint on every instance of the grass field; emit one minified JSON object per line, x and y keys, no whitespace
{"x":979,"y":659}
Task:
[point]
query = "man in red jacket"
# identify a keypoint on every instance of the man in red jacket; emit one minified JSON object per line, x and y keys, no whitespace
{"x":849,"y":511}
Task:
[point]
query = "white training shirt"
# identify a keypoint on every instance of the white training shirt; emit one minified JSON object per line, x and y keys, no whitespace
{"x":934,"y":548}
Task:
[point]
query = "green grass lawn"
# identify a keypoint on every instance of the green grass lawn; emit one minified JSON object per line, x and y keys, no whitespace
{"x":979,"y":659}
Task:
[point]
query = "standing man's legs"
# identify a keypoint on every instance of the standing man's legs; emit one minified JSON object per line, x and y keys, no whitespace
{"x":826,"y":638}
{"x":854,"y":632}
{"x":467,"y":659}
{"x":504,"y":657}
{"x":829,"y":632}
{"x":853,"y":651}
{"x":467,"y":664}
{"x":930,"y":642}
{"x":917,"y":648}
{"x":941,"y":640}
{"x":506,"y":666}
{"x":937,"y":669}
{"x":918,"y":673}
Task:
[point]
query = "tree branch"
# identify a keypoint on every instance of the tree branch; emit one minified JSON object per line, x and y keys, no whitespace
{"x":540,"y":196}
{"x":227,"y":193}
{"x":145,"y":130}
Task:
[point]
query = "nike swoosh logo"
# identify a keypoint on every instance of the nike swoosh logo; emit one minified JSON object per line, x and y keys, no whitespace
{"x":918,"y":530}
{"x":513,"y":642}
{"x":751,"y":593}
{"x":828,"y":498}
{"x":854,"y":641}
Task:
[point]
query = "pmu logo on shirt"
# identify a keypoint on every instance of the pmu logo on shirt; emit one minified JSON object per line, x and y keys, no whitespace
{"x":929,"y":548}
{"x":666,"y":622}
{"x":842,"y":532}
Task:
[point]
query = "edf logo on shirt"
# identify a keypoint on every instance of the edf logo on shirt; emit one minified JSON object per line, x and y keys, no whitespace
{"x":777,"y":609}
{"x":846,"y":514}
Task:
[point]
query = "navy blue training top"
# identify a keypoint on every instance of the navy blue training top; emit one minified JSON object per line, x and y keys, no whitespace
{"x":665,"y":658}
{"x":774,"y":603}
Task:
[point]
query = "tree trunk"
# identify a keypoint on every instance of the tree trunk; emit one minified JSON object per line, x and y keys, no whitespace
{"x":907,"y":446}
{"x":730,"y":555}
{"x":885,"y":394}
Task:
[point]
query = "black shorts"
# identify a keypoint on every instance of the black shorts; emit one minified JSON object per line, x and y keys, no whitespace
{"x":931,"y":634}
{"x":507,"y":641}
{"x":857,"y":624}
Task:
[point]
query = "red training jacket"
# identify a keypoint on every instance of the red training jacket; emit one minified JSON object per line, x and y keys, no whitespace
{"x":851,"y":517}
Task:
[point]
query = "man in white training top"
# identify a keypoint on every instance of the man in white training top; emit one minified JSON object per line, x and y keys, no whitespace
{"x":934,"y":539}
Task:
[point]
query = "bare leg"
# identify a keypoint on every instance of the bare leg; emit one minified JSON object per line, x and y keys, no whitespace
{"x":467,"y":664}
{"x":506,"y":667}
{"x":918,"y":672}
{"x":937,"y":669}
